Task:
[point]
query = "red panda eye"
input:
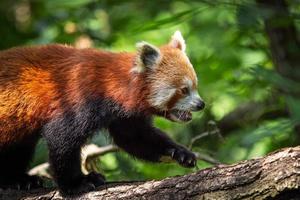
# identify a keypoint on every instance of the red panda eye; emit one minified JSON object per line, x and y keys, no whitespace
{"x":184,"y":91}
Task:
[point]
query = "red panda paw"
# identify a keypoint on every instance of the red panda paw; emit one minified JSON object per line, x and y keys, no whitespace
{"x":89,"y":183}
{"x":96,"y":178}
{"x":26,"y":182}
{"x":183,"y":156}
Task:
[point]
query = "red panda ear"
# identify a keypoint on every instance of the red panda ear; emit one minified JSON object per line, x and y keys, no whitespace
{"x":148,"y":56}
{"x":177,"y":41}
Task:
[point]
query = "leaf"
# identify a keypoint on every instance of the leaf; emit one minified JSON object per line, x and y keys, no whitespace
{"x":247,"y":16}
{"x":294,"y":107}
{"x":174,"y":19}
{"x":54,"y":4}
{"x":267,"y":129}
{"x":275,"y":79}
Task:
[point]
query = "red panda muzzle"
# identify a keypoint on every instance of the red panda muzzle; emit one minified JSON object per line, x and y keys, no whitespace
{"x":180,"y":115}
{"x":175,"y":115}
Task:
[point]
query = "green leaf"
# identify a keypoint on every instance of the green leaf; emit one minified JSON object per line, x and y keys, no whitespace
{"x":54,"y":4}
{"x":294,"y":107}
{"x":247,"y":16}
{"x":168,"y":21}
{"x":275,"y":79}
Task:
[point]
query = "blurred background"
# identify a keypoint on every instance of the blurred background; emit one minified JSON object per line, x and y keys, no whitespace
{"x":246,"y":54}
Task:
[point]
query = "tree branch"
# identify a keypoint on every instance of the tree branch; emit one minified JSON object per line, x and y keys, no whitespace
{"x":88,"y":158}
{"x":250,"y":113}
{"x":275,"y":176}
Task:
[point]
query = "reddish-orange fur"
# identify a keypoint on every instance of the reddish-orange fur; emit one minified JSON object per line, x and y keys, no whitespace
{"x":34,"y":82}
{"x":30,"y":88}
{"x":67,"y":94}
{"x":175,"y":65}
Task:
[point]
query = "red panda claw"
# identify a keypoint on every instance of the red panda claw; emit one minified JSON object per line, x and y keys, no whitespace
{"x":181,"y":158}
{"x":171,"y":152}
{"x":28,"y":186}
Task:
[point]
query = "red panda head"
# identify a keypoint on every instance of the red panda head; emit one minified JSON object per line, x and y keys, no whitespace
{"x":170,"y":79}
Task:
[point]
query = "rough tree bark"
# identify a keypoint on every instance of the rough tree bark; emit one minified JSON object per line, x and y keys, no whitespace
{"x":275,"y":176}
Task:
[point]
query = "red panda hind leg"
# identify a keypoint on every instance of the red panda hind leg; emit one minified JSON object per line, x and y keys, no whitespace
{"x":14,"y":161}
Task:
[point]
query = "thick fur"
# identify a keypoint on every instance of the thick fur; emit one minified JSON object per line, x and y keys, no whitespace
{"x":66,"y":95}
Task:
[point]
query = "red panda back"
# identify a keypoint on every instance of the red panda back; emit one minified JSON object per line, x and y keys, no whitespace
{"x":26,"y":90}
{"x":40,"y":83}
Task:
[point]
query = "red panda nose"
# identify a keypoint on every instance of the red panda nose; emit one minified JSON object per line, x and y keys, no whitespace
{"x":200,"y":105}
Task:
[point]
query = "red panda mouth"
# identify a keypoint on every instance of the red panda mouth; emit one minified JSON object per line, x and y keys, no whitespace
{"x":179,"y":115}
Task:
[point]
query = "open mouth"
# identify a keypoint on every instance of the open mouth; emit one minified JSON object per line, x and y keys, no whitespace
{"x":179,"y":115}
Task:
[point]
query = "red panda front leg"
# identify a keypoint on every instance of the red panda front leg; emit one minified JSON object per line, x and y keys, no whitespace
{"x":137,"y":136}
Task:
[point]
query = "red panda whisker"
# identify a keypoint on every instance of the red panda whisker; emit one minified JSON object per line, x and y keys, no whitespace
{"x":180,"y":114}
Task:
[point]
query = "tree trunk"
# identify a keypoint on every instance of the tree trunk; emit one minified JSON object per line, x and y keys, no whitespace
{"x":275,"y":176}
{"x":284,"y":43}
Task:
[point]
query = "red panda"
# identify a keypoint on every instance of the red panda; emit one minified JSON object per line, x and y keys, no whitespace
{"x":66,"y":94}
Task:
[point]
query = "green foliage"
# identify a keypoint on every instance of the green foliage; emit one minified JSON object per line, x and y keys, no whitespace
{"x":58,"y":4}
{"x":226,"y":43}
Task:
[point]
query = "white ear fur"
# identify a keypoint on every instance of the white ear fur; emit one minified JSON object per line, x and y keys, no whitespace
{"x":177,"y":41}
{"x":148,"y":56}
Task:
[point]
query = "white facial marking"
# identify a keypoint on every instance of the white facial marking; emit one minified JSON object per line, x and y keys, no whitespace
{"x":195,"y":98}
{"x":161,"y":95}
{"x":188,"y":82}
{"x":188,"y":102}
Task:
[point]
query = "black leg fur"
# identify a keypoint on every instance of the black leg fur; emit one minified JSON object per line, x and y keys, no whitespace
{"x":137,"y":136}
{"x":65,"y":137}
{"x":14,"y":162}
